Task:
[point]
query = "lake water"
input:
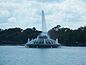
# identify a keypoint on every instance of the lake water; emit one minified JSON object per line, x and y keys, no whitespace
{"x":19,"y":55}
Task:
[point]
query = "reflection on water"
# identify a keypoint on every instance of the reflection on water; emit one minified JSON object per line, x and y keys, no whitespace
{"x":19,"y":55}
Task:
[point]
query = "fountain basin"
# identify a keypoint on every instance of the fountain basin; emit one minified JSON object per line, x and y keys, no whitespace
{"x":42,"y":41}
{"x":42,"y":46}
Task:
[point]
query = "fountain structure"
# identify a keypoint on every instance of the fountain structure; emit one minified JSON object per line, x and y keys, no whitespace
{"x":43,"y":40}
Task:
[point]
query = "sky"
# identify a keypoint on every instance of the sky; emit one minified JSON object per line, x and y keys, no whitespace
{"x":27,"y":13}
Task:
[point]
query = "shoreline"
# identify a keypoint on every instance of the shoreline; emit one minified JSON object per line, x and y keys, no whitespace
{"x":24,"y":45}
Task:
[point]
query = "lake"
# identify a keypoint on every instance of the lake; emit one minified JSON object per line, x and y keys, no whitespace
{"x":19,"y":55}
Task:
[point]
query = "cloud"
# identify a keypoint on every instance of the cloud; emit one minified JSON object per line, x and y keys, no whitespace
{"x":12,"y":19}
{"x":49,"y":1}
{"x":4,"y":13}
{"x":27,"y":13}
{"x":83,"y":18}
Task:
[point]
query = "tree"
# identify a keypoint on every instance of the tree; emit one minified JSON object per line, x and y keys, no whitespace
{"x":18,"y":35}
{"x":69,"y":37}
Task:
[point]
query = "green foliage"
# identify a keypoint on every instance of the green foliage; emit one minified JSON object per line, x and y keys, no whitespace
{"x":17,"y":35}
{"x":69,"y":37}
{"x":66,"y":36}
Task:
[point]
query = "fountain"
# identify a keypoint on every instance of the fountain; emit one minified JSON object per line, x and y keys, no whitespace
{"x":43,"y":40}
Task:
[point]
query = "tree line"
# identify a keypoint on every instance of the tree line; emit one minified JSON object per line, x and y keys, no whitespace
{"x":17,"y":36}
{"x":69,"y":37}
{"x":66,"y":36}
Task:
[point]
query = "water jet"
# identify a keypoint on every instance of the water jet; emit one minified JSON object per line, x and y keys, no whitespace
{"x":43,"y":40}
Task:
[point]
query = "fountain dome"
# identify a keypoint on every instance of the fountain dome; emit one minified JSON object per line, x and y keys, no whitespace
{"x":43,"y":40}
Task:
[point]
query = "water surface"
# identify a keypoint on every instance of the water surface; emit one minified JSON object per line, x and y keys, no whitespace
{"x":19,"y":55}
